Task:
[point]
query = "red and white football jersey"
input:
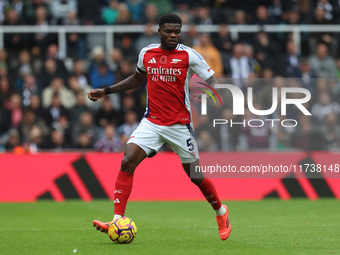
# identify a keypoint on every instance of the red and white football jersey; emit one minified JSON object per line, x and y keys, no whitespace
{"x":168,"y":75}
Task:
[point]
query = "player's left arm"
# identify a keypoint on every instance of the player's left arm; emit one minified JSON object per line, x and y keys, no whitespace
{"x":211,"y":81}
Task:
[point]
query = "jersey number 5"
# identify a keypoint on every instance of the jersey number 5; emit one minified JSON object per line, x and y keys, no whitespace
{"x":190,"y":145}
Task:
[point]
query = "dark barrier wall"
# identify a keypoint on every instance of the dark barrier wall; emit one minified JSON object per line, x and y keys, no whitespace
{"x":92,"y":175}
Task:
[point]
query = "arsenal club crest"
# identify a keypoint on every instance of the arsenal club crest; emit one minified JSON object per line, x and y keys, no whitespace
{"x":163,"y":60}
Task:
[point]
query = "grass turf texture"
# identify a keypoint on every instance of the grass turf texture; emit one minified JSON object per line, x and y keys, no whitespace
{"x":259,"y":227}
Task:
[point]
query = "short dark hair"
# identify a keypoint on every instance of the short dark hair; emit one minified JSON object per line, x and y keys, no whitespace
{"x":169,"y":18}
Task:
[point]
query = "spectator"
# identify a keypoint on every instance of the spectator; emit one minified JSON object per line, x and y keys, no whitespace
{"x":239,"y":67}
{"x":80,"y":74}
{"x":102,"y":76}
{"x":282,"y":141}
{"x":14,"y":42}
{"x":85,"y":125}
{"x":106,"y":114}
{"x":57,"y":141}
{"x":206,"y":142}
{"x":292,"y":61}
{"x":151,"y":14}
{"x":15,"y":5}
{"x":129,"y":126}
{"x":125,"y":70}
{"x":110,"y":12}
{"x":58,"y":87}
{"x":163,"y":6}
{"x":124,"y":16}
{"x":5,"y":113}
{"x":266,"y":50}
{"x":52,"y":53}
{"x":275,"y":10}
{"x":253,"y":63}
{"x":239,"y":18}
{"x":136,"y":8}
{"x":48,"y":73}
{"x":115,"y":59}
{"x":41,"y":39}
{"x":323,"y":107}
{"x":29,"y":88}
{"x":6,"y":90}
{"x":75,"y":87}
{"x":23,"y":68}
{"x":14,"y":110}
{"x":223,"y":41}
{"x":327,"y":7}
{"x":129,"y":103}
{"x":55,"y":110}
{"x":321,"y":63}
{"x":13,"y":140}
{"x":262,"y":17}
{"x":89,"y":12}
{"x":191,"y":38}
{"x":147,"y":38}
{"x":64,"y":125}
{"x":203,"y":16}
{"x":29,"y":121}
{"x":307,"y":77}
{"x":29,"y":11}
{"x":36,"y":140}
{"x":316,"y":38}
{"x":35,"y":105}
{"x":75,"y":41}
{"x":210,"y":54}
{"x":61,"y":9}
{"x":229,"y":134}
{"x":4,"y":61}
{"x":79,"y":108}
{"x":109,"y":142}
{"x":330,"y":129}
{"x":97,"y":57}
{"x":84,"y":141}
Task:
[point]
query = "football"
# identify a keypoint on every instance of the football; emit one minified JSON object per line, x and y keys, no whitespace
{"x":122,"y":230}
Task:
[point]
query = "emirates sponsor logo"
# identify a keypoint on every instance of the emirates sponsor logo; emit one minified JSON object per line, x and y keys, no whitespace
{"x":164,"y":70}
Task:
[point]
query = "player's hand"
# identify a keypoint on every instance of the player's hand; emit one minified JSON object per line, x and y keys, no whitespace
{"x":96,"y":94}
{"x":198,"y":97}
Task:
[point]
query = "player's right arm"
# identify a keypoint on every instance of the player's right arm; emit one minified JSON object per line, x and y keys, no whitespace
{"x":131,"y":82}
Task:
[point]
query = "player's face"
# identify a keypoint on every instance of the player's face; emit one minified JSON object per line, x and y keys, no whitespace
{"x":170,"y":34}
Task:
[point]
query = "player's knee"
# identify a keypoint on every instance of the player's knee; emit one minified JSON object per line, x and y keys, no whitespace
{"x":128,"y":164}
{"x":196,"y":181}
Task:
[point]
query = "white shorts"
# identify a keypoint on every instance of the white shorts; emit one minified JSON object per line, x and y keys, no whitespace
{"x":151,"y":137}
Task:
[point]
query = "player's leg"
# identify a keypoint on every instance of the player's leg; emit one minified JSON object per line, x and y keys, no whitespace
{"x":144,"y":142}
{"x":133,"y":156}
{"x":182,"y":140}
{"x":208,"y":190}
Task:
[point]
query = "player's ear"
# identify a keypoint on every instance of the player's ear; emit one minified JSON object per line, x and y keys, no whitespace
{"x":159,"y":31}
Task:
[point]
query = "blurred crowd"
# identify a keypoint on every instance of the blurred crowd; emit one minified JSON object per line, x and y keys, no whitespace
{"x":43,"y":98}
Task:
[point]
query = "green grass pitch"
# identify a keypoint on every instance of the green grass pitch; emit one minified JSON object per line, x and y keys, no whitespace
{"x":259,"y":227}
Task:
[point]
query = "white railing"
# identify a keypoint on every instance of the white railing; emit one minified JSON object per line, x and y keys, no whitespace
{"x":109,"y":31}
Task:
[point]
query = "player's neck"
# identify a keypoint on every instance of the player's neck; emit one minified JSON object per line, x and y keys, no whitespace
{"x":163,"y":47}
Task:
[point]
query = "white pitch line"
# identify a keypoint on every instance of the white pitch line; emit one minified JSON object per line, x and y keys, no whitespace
{"x":44,"y":229}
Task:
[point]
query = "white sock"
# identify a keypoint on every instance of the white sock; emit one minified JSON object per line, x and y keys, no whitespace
{"x":220,"y":211}
{"x":116,"y":216}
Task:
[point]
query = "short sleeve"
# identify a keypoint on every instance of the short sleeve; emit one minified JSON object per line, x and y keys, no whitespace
{"x":198,"y":65}
{"x":140,"y":66}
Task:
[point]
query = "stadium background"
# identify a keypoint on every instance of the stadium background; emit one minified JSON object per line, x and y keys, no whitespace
{"x":46,"y":72}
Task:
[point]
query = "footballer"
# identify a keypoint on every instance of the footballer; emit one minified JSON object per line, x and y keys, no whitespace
{"x":168,"y":67}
